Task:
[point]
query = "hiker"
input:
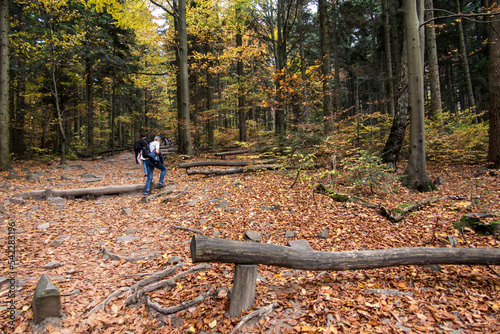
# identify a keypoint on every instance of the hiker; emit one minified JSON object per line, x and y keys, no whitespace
{"x":139,"y":145}
{"x":155,"y":160}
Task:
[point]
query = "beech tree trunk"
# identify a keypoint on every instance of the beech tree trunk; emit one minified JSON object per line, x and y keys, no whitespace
{"x":430,"y":35}
{"x":185,"y":144}
{"x":4,"y":85}
{"x":494,"y":67}
{"x":416,"y":171}
{"x":208,"y":249}
{"x":327,"y":68}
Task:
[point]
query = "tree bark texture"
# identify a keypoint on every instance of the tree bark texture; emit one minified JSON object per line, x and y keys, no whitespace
{"x":326,"y":65}
{"x":430,"y":35}
{"x":416,"y":171}
{"x":208,"y":249}
{"x":243,"y":293}
{"x":4,"y":85}
{"x":494,"y":66}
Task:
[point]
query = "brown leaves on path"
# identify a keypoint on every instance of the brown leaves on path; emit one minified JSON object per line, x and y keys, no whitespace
{"x":408,"y":298}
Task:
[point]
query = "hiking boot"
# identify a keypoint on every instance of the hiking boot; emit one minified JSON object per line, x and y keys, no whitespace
{"x":161,"y":185}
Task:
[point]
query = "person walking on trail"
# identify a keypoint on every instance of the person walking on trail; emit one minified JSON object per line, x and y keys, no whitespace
{"x":151,"y":164}
{"x":139,"y":145}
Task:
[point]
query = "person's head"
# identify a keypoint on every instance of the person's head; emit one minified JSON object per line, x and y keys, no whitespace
{"x":143,"y":135}
{"x":157,"y":138}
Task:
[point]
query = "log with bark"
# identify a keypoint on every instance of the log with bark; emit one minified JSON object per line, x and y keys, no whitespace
{"x":223,"y":154}
{"x":80,"y":192}
{"x":209,"y":249}
{"x":232,"y":170}
{"x":225,"y":163}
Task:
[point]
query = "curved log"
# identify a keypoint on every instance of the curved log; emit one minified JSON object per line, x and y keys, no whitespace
{"x":208,"y":249}
{"x":225,"y":163}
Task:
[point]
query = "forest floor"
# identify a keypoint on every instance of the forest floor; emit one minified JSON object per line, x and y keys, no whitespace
{"x":411,"y":299}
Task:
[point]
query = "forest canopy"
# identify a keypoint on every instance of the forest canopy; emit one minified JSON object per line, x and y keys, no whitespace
{"x":85,"y":77}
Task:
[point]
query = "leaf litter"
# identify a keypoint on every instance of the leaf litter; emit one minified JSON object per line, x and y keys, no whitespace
{"x":416,"y":299}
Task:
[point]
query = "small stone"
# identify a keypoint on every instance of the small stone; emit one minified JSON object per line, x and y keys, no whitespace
{"x":131,"y":231}
{"x":52,"y":265}
{"x":16,"y":200}
{"x":57,"y":201}
{"x":43,"y":226}
{"x":222,"y":204}
{"x":174,"y":260}
{"x":289,"y":234}
{"x":127,"y":238}
{"x":126,"y":211}
{"x":324,"y":234}
{"x":252,"y":236}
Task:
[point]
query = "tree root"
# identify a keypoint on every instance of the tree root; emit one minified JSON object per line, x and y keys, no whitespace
{"x":182,"y":306}
{"x":188,"y":229}
{"x":105,"y":302}
{"x":258,"y":313}
{"x":148,"y":285}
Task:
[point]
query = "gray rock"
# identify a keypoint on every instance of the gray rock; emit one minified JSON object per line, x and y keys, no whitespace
{"x":32,"y":177}
{"x":389,"y":292}
{"x":46,"y":301}
{"x":127,"y":238}
{"x":43,"y":226}
{"x":289,"y":234}
{"x":193,"y":202}
{"x":216,"y":233}
{"x":126,"y":211}
{"x":222,"y":204}
{"x":57,"y":201}
{"x":13,"y":176}
{"x":66,"y":177}
{"x":272,"y":207}
{"x":174,"y":260}
{"x":252,"y":236}
{"x":16,"y":200}
{"x":300,"y":244}
{"x":90,"y":180}
{"x":131,"y":231}
{"x":52,"y":265}
{"x":453,"y":242}
{"x":87,"y":175}
{"x":324,"y":234}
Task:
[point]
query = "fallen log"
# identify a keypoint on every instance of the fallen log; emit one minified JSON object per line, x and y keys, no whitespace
{"x":209,"y":249}
{"x":80,"y":192}
{"x":231,"y":171}
{"x":225,"y":163}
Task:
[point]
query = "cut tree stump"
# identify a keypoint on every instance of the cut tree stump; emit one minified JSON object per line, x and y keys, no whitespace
{"x":46,"y":300}
{"x":243,"y":294}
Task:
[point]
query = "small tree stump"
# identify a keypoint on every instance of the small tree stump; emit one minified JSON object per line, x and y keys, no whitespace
{"x":243,"y":293}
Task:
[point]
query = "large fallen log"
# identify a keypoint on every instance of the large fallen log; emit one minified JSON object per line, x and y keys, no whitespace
{"x":208,"y":249}
{"x":225,"y":163}
{"x":231,"y":171}
{"x":80,"y":192}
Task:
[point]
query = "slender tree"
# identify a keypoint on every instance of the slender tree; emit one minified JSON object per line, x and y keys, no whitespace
{"x":4,"y":85}
{"x":494,"y":66}
{"x":324,"y":32}
{"x":416,"y":171}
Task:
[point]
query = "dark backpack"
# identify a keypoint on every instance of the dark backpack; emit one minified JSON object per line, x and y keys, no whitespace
{"x":145,"y":151}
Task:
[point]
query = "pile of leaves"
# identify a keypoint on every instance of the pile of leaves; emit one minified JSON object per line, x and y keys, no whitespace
{"x":449,"y":299}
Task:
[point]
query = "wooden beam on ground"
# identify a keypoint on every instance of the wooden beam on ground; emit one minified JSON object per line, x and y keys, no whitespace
{"x":225,"y":163}
{"x":223,"y":154}
{"x":230,"y":171}
{"x":209,"y":249}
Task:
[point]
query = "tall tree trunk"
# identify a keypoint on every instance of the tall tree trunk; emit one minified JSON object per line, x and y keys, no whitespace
{"x":89,"y":96}
{"x":326,"y":65}
{"x":494,"y":67}
{"x":416,"y":171}
{"x":4,"y":85}
{"x":432,"y":58}
{"x":210,"y":114}
{"x":185,"y":145}
{"x":19,"y":147}
{"x":112,"y":115}
{"x":240,"y":70}
{"x":465,"y":64}
{"x":389,"y":80}
{"x":305,"y":99}
{"x":279,"y":121}
{"x":336,"y":60}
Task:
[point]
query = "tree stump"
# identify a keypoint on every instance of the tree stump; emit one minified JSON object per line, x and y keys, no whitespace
{"x":243,"y":293}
